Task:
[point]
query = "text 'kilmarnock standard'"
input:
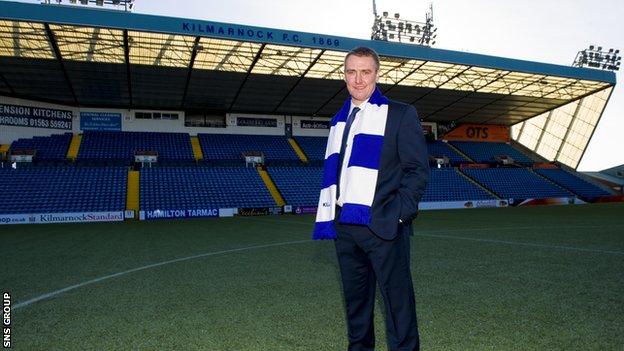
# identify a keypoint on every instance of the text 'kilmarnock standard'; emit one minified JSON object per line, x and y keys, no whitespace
{"x":6,"y":320}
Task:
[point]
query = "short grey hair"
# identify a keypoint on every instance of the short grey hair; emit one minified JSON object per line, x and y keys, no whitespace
{"x":363,"y":51}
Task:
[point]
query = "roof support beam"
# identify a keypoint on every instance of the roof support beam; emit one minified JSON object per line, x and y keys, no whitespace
{"x":251,"y":67}
{"x":441,"y":84}
{"x":402,"y":79}
{"x":92,"y":44}
{"x":285,"y":62}
{"x":498,"y":99}
{"x":127,"y":58}
{"x":468,"y":94}
{"x":226,"y":58}
{"x":538,"y":98}
{"x":59,"y":57}
{"x":17,"y":50}
{"x":329,"y":100}
{"x":163,"y":49}
{"x":299,"y":80}
{"x":190,"y":71}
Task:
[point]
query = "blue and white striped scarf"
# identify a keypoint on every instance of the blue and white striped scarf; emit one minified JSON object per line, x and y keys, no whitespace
{"x":362,"y":168}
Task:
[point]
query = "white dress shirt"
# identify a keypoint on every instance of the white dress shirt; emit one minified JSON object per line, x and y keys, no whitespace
{"x":347,"y":152}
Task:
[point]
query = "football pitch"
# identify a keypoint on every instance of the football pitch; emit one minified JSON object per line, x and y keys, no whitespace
{"x":539,"y":278}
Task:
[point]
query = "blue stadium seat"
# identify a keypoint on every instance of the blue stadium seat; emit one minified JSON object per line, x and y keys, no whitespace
{"x":516,"y":183}
{"x":440,"y":148}
{"x":120,"y":146}
{"x":487,"y":152}
{"x":573,"y":183}
{"x":313,"y":147}
{"x":300,"y":186}
{"x":62,"y":189}
{"x":229,"y":147}
{"x":184,"y":188}
{"x":49,"y":148}
{"x":447,"y":184}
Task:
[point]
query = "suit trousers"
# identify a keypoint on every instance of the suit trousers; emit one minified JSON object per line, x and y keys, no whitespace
{"x":365,"y":259}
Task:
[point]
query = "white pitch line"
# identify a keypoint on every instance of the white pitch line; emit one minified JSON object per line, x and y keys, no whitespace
{"x":311,"y":224}
{"x":247,"y":248}
{"x":432,"y":234}
{"x":495,"y":241}
{"x":115,"y":275}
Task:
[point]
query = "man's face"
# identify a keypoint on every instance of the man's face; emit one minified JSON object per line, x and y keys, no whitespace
{"x":361,"y":76}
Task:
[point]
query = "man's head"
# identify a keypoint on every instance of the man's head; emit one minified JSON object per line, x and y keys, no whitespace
{"x":361,"y":70}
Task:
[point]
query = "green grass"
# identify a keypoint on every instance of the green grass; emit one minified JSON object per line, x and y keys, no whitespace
{"x":542,"y":278}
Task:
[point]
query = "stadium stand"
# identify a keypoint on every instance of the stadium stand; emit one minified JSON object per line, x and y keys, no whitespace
{"x":299,"y":186}
{"x":573,"y":183}
{"x":440,"y":148}
{"x":447,"y":184}
{"x":488,"y":151}
{"x":49,"y":148}
{"x":314,"y":147}
{"x":516,"y":183}
{"x":120,"y":146}
{"x":229,"y":147}
{"x":178,"y":188}
{"x":62,"y":189}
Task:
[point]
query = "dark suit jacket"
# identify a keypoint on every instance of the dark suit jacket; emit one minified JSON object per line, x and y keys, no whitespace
{"x":403,"y":172}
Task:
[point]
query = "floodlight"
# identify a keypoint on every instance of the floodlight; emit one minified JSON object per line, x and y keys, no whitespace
{"x":402,"y":30}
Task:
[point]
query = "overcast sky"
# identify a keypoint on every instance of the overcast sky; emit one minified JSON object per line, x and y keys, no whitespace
{"x":550,"y":31}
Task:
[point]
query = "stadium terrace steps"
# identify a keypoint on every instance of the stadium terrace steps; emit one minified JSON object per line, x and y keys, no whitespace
{"x":516,"y":183}
{"x":199,"y":187}
{"x":197,"y":151}
{"x":478,"y":184}
{"x":448,"y":184}
{"x":452,"y":147}
{"x":132,"y":194}
{"x":120,"y":146}
{"x":37,"y":189}
{"x":573,"y":183}
{"x":74,"y":146}
{"x":488,"y":151}
{"x":229,"y":147}
{"x":49,"y":148}
{"x":440,"y":148}
{"x":314,"y":147}
{"x":298,"y":150}
{"x":300,"y":186}
{"x":268,"y":182}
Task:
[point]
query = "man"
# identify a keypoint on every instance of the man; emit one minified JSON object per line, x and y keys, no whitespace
{"x":376,"y":170}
